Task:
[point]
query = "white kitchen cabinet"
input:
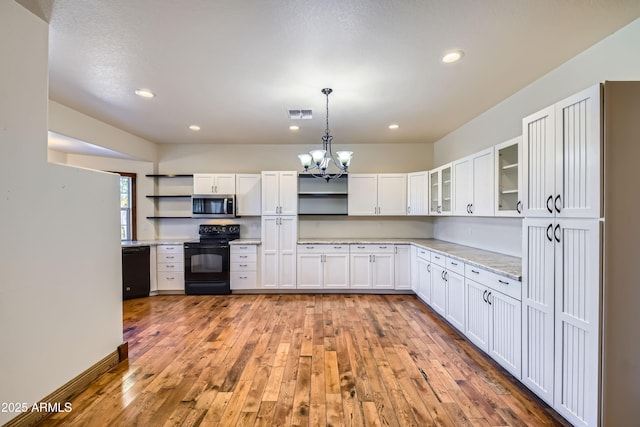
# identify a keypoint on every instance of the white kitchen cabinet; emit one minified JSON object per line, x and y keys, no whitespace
{"x":415,"y":281}
{"x":170,"y":268}
{"x":244,"y":267}
{"x":248,"y":195}
{"x":562,"y":158}
{"x":210,"y":183}
{"x":402,"y":267}
{"x":423,"y":289}
{"x":493,"y":316}
{"x":508,"y":178}
{"x":323,"y":266}
{"x":279,"y":241}
{"x":418,"y":193}
{"x":473,"y":184}
{"x":560,"y":321}
{"x":377,"y":194}
{"x":440,"y":190}
{"x":372,"y":266}
{"x":279,"y":192}
{"x":438,"y":283}
{"x":454,"y":280}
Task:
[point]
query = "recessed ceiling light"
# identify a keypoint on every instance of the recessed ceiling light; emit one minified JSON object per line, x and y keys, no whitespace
{"x":452,"y":56}
{"x":194,"y":128}
{"x":144,"y":93}
{"x":394,"y":126}
{"x":294,"y":127}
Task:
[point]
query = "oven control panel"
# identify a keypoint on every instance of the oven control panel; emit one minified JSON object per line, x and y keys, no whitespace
{"x":218,"y":229}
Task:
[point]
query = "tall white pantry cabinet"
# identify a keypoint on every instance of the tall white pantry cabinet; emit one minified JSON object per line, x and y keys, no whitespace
{"x":580,"y":353}
{"x":279,"y":229}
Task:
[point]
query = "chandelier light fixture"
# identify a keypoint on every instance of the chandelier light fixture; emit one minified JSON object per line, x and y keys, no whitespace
{"x":316,"y":162}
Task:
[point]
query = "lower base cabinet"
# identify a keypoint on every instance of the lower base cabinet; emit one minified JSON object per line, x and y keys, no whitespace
{"x":494,"y":316}
{"x":323,"y":266}
{"x":170,"y":268}
{"x":372,"y":266}
{"x":244,"y":267}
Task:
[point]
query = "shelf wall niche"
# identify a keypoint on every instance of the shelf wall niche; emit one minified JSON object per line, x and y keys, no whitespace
{"x":320,"y":197}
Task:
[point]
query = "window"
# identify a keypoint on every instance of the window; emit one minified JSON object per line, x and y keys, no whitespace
{"x":127,"y":206}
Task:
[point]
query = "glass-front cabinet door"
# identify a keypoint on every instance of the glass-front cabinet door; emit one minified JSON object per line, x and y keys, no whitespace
{"x":440,"y":186}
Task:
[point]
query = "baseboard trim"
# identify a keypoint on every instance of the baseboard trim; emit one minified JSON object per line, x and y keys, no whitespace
{"x":71,"y":389}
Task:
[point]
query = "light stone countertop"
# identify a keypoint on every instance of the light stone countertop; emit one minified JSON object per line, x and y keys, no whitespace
{"x":506,"y":265}
{"x":246,"y":242}
{"x":133,"y":243}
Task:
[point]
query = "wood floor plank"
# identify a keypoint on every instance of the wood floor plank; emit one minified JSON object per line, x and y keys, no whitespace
{"x":300,"y":359}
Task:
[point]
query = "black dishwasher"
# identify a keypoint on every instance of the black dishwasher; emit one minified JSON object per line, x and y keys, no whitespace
{"x":136,"y":278}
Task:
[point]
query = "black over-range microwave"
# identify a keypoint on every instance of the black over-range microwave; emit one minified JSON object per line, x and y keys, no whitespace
{"x":213,"y":205}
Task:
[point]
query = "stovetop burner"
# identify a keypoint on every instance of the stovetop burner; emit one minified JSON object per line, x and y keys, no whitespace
{"x":218,"y":233}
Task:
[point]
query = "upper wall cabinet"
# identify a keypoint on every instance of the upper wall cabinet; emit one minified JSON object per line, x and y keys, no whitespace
{"x":279,"y":193}
{"x":440,"y":190}
{"x":418,"y":193}
{"x":248,"y":195}
{"x":508,"y":178}
{"x":473,"y":184}
{"x":377,"y":194}
{"x":208,"y":183}
{"x":562,"y":158}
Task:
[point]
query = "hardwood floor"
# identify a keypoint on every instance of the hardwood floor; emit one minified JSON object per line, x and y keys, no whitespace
{"x":319,"y":360}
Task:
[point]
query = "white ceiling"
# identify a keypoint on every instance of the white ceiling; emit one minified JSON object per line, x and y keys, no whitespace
{"x":234,"y":67}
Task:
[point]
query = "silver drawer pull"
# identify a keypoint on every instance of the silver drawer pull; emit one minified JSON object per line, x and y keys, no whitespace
{"x":475,"y":272}
{"x":310,"y":247}
{"x":360,"y":247}
{"x":243,"y":256}
{"x":171,"y":278}
{"x":453,"y":263}
{"x":503,"y":282}
{"x":243,"y":247}
{"x":170,"y":257}
{"x":337,"y":247}
{"x":243,"y":265}
{"x":170,"y":266}
{"x":243,"y":277}
{"x":382,"y":247}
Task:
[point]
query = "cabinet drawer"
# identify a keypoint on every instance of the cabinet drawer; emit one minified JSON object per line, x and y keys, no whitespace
{"x":243,"y":257}
{"x":423,"y":254}
{"x":243,"y":280}
{"x":169,"y":257}
{"x":249,"y":249}
{"x":507,"y":286}
{"x":243,"y":266}
{"x":170,"y":280}
{"x":438,"y":259}
{"x":311,"y":249}
{"x":372,"y":248}
{"x":170,"y":249}
{"x":322,"y":249}
{"x":455,"y":265}
{"x":171,"y":266}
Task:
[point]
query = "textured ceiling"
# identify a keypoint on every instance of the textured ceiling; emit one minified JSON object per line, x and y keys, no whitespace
{"x":235,"y":67}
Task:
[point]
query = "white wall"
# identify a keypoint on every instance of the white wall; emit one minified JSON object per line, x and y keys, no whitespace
{"x":614,"y":58}
{"x":146,"y":229}
{"x":60,"y":293}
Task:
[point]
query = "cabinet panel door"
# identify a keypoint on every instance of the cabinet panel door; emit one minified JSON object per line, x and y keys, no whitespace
{"x":360,"y":270}
{"x":336,"y":271}
{"x":225,"y":183}
{"x":539,"y":163}
{"x":287,"y":245}
{"x":455,"y":299}
{"x":288,"y":192}
{"x":434,"y":192}
{"x":482,"y":183}
{"x":392,"y":194}
{"x":424,"y":280}
{"x":505,"y":343}
{"x":578,"y":155}
{"x":383,"y":271}
{"x":202,"y":183}
{"x":248,"y":196}
{"x":438,"y":289}
{"x":270,"y":239}
{"x":310,"y":267}
{"x":417,"y":193}
{"x":508,"y":180}
{"x":538,"y":307}
{"x":270,"y":192}
{"x":402,"y":267}
{"x":462,"y":186}
{"x":577,"y":320}
{"x":363,"y":194}
{"x":477,"y":324}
